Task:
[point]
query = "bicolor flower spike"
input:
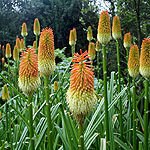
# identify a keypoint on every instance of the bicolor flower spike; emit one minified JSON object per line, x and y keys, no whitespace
{"x":24,"y":32}
{"x":127,"y":40}
{"x":18,"y":43}
{"x":72,"y":40}
{"x":29,"y":79}
{"x":91,"y":51}
{"x":116,"y":28}
{"x":134,"y":61}
{"x":5,"y":95}
{"x":8,"y":51}
{"x":75,"y":34}
{"x":46,"y":56}
{"x":104,"y":30}
{"x":15,"y":53}
{"x":81,"y":96}
{"x":145,"y":58}
{"x":36,"y":27}
{"x":89,"y":34}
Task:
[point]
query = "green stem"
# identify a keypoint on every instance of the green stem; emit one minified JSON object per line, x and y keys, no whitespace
{"x":8,"y":70}
{"x":134,"y":116}
{"x":73,"y":49}
{"x":105,"y":93}
{"x":98,"y":65}
{"x":7,"y":121}
{"x":31,"y":122}
{"x":81,"y":136}
{"x":36,"y":44}
{"x":48,"y":107}
{"x":119,"y":90}
{"x":16,"y":72}
{"x":146,"y":115}
{"x":24,"y":38}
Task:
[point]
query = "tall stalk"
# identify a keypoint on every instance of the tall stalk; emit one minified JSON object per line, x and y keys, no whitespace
{"x":81,"y":136}
{"x":134,"y":116}
{"x":16,"y":72}
{"x":105,"y":93}
{"x":24,"y":38}
{"x":36,"y":44}
{"x":48,"y":107}
{"x":98,"y":65}
{"x":7,"y":121}
{"x":119,"y":90}
{"x":73,"y":49}
{"x":146,"y":115}
{"x":31,"y":122}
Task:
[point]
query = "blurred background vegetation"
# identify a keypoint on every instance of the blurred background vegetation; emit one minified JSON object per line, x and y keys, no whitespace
{"x":63,"y":15}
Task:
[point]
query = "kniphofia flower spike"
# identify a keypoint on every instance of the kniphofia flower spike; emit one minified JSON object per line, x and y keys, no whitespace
{"x":81,"y":96}
{"x":127,"y":40}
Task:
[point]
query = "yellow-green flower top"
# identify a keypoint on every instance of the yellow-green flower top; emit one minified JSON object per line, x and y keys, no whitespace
{"x":127,"y":40}
{"x":91,"y":51}
{"x":24,"y":32}
{"x":145,"y":58}
{"x":134,"y":61}
{"x":89,"y":34}
{"x":98,"y":46}
{"x":5,"y":95}
{"x":104,"y":30}
{"x":36,"y":27}
{"x":81,"y":96}
{"x":116,"y":28}
{"x":8,"y":51}
{"x":72,"y":40}
{"x":15,"y":53}
{"x":29,"y":79}
{"x":46,"y":56}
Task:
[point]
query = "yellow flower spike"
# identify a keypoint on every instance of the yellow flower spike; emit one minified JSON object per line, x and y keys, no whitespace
{"x":98,"y":46}
{"x":18,"y":43}
{"x":15,"y":53}
{"x":134,"y":61}
{"x":34,"y":44}
{"x":24,"y":32}
{"x":3,"y":50}
{"x":75,"y":34}
{"x":22,"y":44}
{"x":127,"y":40}
{"x":55,"y":86}
{"x":81,"y":96}
{"x":116,"y":28}
{"x":46,"y":56}
{"x":89,"y":34}
{"x":36,"y":27}
{"x":5,"y":95}
{"x":91,"y":51}
{"x":104,"y":30}
{"x":8,"y":51}
{"x":145,"y":58}
{"x":29,"y":79}
{"x":72,"y":38}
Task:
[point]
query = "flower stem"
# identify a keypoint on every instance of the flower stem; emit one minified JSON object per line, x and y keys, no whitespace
{"x":31,"y":121}
{"x":119,"y":90}
{"x":24,"y":38}
{"x":146,"y":115}
{"x":73,"y":49}
{"x":81,"y":136}
{"x":16,"y":71}
{"x":7,"y":121}
{"x":48,"y":107}
{"x":98,"y":65}
{"x":105,"y":93}
{"x":134,"y":116}
{"x":36,"y":44}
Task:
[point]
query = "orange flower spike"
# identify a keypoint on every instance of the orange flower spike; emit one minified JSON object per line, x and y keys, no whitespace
{"x":46,"y":56}
{"x":89,"y":34}
{"x":18,"y":44}
{"x":22,"y":44}
{"x":75,"y":34}
{"x":5,"y":95}
{"x":15,"y":53}
{"x":145,"y":58}
{"x":127,"y":40}
{"x":8,"y":51}
{"x":36,"y":27}
{"x":104,"y":30}
{"x":24,"y":32}
{"x":3,"y":60}
{"x":81,"y":96}
{"x":72,"y":38}
{"x":133,"y":62}
{"x":29,"y":79}
{"x":116,"y":28}
{"x":91,"y":51}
